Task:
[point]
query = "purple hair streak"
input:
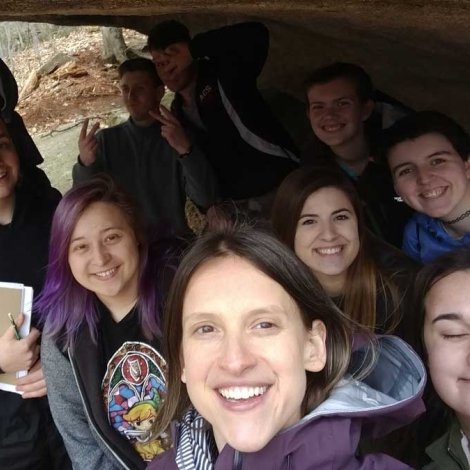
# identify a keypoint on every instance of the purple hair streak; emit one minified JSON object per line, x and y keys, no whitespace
{"x":64,"y":306}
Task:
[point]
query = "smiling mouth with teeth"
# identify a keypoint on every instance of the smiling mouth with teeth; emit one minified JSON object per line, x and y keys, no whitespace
{"x":242,"y":393}
{"x":434,"y":193}
{"x":106,"y":274}
{"x":332,"y":127}
{"x":332,"y":250}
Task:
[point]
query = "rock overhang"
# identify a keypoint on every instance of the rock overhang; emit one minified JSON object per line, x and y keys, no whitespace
{"x":416,"y":51}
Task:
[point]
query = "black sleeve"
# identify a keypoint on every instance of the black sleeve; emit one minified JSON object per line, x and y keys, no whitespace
{"x":244,"y":45}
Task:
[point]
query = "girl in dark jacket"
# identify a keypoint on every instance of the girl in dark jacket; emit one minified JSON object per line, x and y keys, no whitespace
{"x":257,"y":366}
{"x":100,"y":306}
{"x":28,"y":437}
{"x":318,"y":214}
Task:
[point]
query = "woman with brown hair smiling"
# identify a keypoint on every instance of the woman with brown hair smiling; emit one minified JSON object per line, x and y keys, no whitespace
{"x":318,"y":214}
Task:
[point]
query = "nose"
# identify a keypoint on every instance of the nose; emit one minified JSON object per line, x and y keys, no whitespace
{"x":162,"y":66}
{"x":424,"y":175}
{"x":328,"y":231}
{"x":130,"y":94}
{"x":101,"y":255}
{"x":329,"y":110}
{"x":235,"y":356}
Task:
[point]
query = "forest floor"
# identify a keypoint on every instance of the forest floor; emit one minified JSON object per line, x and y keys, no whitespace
{"x":82,"y":88}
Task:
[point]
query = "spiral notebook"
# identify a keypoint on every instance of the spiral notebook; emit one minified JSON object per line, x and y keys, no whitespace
{"x":14,"y":298}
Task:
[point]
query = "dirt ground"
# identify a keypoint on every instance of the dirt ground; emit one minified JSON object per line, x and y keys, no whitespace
{"x":84,"y":87}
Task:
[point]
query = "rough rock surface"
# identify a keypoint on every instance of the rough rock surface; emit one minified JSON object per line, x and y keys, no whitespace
{"x":416,"y":51}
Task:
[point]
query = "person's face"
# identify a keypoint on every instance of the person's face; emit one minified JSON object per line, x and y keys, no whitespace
{"x":245,"y":352}
{"x":9,"y":164}
{"x":103,"y":254}
{"x":447,"y":340}
{"x":140,"y":94}
{"x":327,"y":235}
{"x":336,"y":113}
{"x":174,"y":65}
{"x":430,"y":176}
{"x":145,"y":424}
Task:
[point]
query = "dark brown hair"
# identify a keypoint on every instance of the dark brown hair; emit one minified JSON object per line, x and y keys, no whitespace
{"x":352,"y":72}
{"x":363,"y":276}
{"x":272,"y":258}
{"x":140,"y":64}
{"x":415,"y":125}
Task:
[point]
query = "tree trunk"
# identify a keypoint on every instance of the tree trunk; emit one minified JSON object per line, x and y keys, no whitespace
{"x":114,"y":46}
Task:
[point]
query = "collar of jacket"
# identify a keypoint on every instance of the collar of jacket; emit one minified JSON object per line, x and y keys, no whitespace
{"x":387,"y":398}
{"x":449,"y":447}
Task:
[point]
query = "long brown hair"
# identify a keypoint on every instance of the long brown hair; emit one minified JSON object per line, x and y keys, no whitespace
{"x":274,"y":259}
{"x":363,"y":276}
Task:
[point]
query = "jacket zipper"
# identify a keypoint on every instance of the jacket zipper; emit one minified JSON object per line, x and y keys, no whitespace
{"x":88,"y":416}
{"x":237,"y":461}
{"x":456,"y":460}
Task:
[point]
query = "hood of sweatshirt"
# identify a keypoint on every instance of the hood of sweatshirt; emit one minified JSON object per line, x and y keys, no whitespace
{"x":387,"y":397}
{"x":8,"y":92}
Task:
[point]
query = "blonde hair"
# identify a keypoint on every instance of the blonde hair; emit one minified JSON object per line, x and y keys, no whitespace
{"x":140,"y":412}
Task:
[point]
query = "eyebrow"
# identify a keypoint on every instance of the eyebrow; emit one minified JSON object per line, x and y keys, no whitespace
{"x":435,"y":154}
{"x":272,"y":309}
{"x":101,"y":231}
{"x":448,"y":316}
{"x":333,"y":213}
{"x":319,"y":101}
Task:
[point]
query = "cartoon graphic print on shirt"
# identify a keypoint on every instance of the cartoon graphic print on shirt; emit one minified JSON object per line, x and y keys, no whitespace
{"x":133,"y":389}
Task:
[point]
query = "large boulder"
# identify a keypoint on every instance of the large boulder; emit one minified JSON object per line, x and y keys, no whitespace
{"x":416,"y":51}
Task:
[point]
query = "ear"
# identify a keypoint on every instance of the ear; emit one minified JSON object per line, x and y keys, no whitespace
{"x":183,"y":368}
{"x":367,"y":109}
{"x":467,"y":167}
{"x":315,"y":347}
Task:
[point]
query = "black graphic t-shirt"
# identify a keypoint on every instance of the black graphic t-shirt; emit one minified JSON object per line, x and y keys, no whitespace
{"x":134,"y":383}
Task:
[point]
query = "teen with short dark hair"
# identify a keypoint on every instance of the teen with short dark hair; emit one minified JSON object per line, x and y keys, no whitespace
{"x":340,"y":104}
{"x":428,"y":156}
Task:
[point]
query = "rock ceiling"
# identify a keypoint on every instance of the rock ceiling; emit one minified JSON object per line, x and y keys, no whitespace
{"x":416,"y":51}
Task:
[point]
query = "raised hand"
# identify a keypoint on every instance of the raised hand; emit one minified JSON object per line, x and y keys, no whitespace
{"x":17,"y":354}
{"x":172,"y":130}
{"x":87,"y":143}
{"x":33,"y":385}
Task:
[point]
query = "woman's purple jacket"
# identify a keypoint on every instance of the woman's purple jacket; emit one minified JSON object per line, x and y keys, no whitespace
{"x":327,"y":438}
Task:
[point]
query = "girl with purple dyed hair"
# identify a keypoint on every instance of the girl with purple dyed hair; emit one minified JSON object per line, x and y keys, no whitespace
{"x":100,"y":307}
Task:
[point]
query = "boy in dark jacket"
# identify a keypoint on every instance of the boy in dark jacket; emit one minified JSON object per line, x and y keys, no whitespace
{"x":217,"y":100}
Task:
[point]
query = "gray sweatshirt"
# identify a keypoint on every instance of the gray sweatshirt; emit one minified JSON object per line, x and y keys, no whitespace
{"x":147,"y":167}
{"x":85,"y":448}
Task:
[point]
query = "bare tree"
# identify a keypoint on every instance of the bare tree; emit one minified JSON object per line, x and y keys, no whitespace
{"x":114,"y":46}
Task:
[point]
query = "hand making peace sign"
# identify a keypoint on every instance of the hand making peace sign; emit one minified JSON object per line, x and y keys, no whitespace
{"x":172,"y":130}
{"x":87,"y":143}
